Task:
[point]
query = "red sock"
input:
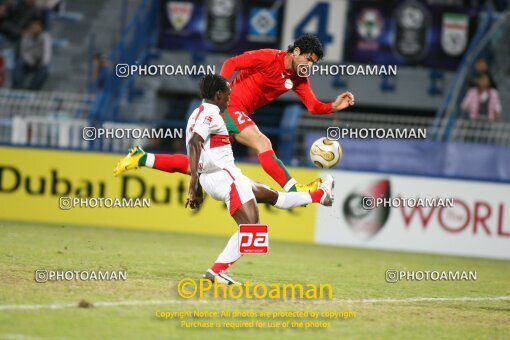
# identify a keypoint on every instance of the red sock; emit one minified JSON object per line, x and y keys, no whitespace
{"x":220,"y":267}
{"x":171,"y":163}
{"x":316,"y":195}
{"x":274,"y":168}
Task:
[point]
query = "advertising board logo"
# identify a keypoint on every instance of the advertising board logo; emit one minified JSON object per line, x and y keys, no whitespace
{"x":454,"y":33}
{"x":221,"y":22}
{"x":179,"y":13}
{"x":369,"y":24}
{"x":412,"y":20}
{"x":363,"y":218}
{"x":263,"y":24}
{"x":253,"y":239}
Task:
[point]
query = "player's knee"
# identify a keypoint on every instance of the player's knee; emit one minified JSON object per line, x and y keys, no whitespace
{"x":264,"y":194}
{"x":246,"y":215}
{"x":263,"y":143}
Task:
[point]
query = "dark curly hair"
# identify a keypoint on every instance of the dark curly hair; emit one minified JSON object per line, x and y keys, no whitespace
{"x":308,"y":43}
{"x":210,"y":84}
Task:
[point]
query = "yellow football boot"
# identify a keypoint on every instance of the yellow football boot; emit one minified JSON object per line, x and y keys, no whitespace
{"x":130,"y":162}
{"x":312,"y":186}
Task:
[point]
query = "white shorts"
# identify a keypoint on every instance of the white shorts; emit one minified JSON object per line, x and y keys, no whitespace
{"x":230,"y":186}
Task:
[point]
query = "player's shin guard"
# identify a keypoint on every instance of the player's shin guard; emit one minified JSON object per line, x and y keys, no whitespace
{"x":288,"y":200}
{"x":167,"y":163}
{"x":228,"y":256}
{"x":275,"y":168}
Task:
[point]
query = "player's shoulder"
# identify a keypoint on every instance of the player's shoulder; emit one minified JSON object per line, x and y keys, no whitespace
{"x":205,"y":110}
{"x":210,"y":109}
{"x":211,"y":114}
{"x":264,"y":52}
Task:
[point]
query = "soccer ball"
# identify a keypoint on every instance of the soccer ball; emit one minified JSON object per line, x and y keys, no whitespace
{"x":325,"y":153}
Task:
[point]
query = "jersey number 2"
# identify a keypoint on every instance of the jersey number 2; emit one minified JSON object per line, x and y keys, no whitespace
{"x":242,"y":117}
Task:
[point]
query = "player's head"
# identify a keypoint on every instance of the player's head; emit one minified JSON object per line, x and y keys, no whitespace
{"x":215,"y":89}
{"x":307,"y":49}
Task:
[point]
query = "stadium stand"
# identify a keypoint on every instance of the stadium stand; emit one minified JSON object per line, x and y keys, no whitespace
{"x":106,"y":99}
{"x":492,"y":43}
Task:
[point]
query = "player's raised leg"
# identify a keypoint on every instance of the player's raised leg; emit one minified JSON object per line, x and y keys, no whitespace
{"x":137,"y":158}
{"x":247,"y":133}
{"x":288,"y":200}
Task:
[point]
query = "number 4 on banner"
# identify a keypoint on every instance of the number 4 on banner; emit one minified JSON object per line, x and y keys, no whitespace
{"x":253,"y":239}
{"x":319,"y":13}
{"x":324,"y":18}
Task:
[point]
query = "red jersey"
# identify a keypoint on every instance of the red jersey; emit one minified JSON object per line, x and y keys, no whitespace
{"x":263,"y":78}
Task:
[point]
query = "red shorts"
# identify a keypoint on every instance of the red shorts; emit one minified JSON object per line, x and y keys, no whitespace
{"x":237,"y":119}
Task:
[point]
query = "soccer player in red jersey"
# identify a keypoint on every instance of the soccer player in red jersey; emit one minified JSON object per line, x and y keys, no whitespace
{"x":263,"y":76}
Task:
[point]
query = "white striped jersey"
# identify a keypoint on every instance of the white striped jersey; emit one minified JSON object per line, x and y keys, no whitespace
{"x":207,"y":122}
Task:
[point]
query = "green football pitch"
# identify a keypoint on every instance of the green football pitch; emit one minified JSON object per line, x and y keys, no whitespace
{"x":155,"y":262}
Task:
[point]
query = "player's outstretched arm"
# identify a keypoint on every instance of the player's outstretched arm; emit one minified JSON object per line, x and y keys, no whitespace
{"x":195,"y":193}
{"x":344,"y":100}
{"x":315,"y":106}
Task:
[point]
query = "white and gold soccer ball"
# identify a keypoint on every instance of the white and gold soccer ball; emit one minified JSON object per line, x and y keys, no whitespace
{"x":325,"y":153}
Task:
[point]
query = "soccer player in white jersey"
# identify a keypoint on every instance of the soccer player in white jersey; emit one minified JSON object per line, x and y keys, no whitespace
{"x":211,"y":165}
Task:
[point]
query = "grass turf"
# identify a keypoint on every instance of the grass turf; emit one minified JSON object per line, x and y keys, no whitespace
{"x":155,"y":262}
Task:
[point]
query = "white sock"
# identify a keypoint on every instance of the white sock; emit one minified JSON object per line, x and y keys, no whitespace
{"x":149,"y":162}
{"x":231,"y":252}
{"x":288,"y":200}
{"x":290,"y":183}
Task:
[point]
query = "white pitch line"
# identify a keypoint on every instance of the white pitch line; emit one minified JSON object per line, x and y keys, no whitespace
{"x":98,"y":304}
{"x":167,"y":302}
{"x":418,"y":299}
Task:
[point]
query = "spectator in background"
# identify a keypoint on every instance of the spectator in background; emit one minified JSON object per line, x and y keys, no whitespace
{"x":481,"y":66}
{"x":16,"y":16}
{"x":35,"y":56}
{"x":100,"y":71}
{"x":482,"y":101}
{"x":2,"y":70}
{"x":7,"y":29}
{"x":26,"y":11}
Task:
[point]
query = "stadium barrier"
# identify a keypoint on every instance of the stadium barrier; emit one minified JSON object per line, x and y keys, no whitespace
{"x":48,"y":132}
{"x":468,"y":155}
{"x":475,"y":226}
{"x":423,"y":157}
{"x":57,"y":120}
{"x":32,"y":118}
{"x":16,"y":103}
{"x":71,"y":134}
{"x":483,"y":132}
